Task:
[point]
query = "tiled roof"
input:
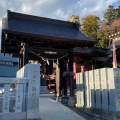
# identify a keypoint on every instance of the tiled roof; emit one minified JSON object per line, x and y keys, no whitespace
{"x":82,"y":50}
{"x":42,"y":26}
{"x":89,"y":50}
{"x":102,"y":58}
{"x":8,"y":71}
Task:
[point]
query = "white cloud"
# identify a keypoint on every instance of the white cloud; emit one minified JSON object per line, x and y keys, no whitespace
{"x":57,"y":9}
{"x":85,"y":7}
{"x":59,"y":13}
{"x":26,"y":8}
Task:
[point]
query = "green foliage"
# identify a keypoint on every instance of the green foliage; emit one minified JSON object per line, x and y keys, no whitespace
{"x":96,"y":29}
{"x":118,"y":12}
{"x":112,"y":13}
{"x":102,"y":38}
{"x":92,"y":59}
{"x":98,"y":53}
{"x":75,"y":18}
{"x":90,"y":26}
{"x":99,"y":30}
{"x":98,"y":64}
{"x":88,"y":63}
{"x":106,"y":64}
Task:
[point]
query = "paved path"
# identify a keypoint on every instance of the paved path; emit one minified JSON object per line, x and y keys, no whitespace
{"x":52,"y":110}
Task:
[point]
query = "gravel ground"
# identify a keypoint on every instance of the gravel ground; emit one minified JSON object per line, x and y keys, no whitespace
{"x":95,"y":114}
{"x":82,"y":113}
{"x":91,"y":114}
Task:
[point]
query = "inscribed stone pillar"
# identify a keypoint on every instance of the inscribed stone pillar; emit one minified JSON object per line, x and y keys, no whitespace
{"x":97,"y":88}
{"x":33,"y":74}
{"x":86,"y":82}
{"x":80,"y":90}
{"x":104,"y":88}
{"x":91,"y":89}
{"x":114,"y":88}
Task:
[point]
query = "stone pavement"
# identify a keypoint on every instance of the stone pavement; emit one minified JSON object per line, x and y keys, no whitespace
{"x":52,"y":110}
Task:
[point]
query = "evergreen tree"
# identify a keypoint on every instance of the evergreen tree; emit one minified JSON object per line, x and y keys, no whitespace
{"x":75,"y":18}
{"x":90,"y":26}
{"x":117,"y":12}
{"x":110,"y":14}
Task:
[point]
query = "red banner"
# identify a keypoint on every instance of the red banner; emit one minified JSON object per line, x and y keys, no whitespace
{"x":74,"y":70}
{"x":82,"y":68}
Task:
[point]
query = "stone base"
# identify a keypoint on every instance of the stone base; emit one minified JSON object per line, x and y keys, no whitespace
{"x":88,"y":107}
{"x":64,"y":100}
{"x":61,"y":99}
{"x":101,"y":114}
{"x":71,"y":101}
{"x":13,"y":116}
{"x":78,"y":105}
{"x":58,"y":99}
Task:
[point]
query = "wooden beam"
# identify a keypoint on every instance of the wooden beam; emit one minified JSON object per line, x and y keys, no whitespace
{"x":57,"y":80}
{"x":71,"y":76}
{"x":50,"y":38}
{"x":25,"y":54}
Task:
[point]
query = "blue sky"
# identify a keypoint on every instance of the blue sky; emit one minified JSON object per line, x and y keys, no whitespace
{"x":56,"y":9}
{"x":116,"y":3}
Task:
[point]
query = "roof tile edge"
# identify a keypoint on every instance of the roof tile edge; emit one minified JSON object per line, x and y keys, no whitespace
{"x":16,"y":15}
